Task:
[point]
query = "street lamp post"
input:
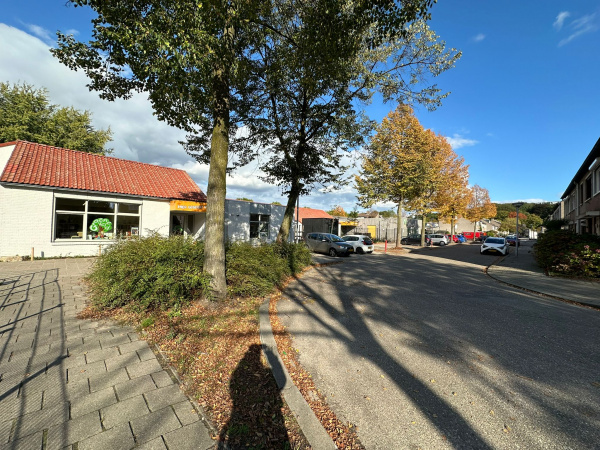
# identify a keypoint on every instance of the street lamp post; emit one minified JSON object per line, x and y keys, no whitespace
{"x":517,"y":205}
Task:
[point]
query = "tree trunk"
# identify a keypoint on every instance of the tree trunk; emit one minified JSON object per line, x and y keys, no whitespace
{"x":288,"y":217}
{"x":451,"y":230}
{"x":423,"y":229}
{"x":214,"y":248}
{"x":399,"y":225}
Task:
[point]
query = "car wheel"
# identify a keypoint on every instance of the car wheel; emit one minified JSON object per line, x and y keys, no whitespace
{"x":442,"y":243}
{"x":332,"y":252}
{"x":403,"y":242}
{"x":360,"y":250}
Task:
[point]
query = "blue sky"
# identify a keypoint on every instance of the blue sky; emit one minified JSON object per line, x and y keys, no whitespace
{"x":523,"y":109}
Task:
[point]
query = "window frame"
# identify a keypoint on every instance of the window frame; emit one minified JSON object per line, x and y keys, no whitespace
{"x":114,"y":216}
{"x":260,"y":222}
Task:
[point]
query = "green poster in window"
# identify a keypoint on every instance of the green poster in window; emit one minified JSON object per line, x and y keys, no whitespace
{"x":101,"y":223}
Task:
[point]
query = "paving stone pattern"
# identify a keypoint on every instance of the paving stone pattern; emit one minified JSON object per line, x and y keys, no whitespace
{"x":78,"y":384}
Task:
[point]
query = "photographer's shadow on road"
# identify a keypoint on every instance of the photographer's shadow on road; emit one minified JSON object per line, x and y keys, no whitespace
{"x":256,"y":420}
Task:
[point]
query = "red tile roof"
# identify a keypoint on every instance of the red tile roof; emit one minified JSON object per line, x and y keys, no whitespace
{"x":309,"y":213}
{"x":44,"y":165}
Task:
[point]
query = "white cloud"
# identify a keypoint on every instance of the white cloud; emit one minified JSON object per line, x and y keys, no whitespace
{"x":583,"y":25}
{"x":457,"y":141}
{"x":137,"y":134}
{"x":560,"y":19}
{"x":40,"y":32}
{"x":478,"y":38}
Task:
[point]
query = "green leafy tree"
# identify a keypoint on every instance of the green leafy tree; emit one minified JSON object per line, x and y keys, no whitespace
{"x":388,"y":214}
{"x":27,"y":114}
{"x":533,"y":221}
{"x":316,"y":94}
{"x":543,"y":210}
{"x":211,"y":67}
{"x":353,"y":215}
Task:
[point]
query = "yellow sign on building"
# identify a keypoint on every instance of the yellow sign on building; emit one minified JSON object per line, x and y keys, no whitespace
{"x":187,"y":206}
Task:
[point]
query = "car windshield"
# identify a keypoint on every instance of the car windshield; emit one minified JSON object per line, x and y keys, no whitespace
{"x":494,"y":241}
{"x":335,"y":238}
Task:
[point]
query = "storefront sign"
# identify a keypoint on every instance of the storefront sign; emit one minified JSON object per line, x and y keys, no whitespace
{"x":183,"y":205}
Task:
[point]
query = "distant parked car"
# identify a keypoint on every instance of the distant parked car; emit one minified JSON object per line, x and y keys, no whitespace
{"x":414,"y":239}
{"x":512,"y":240}
{"x":328,"y":243}
{"x":495,"y":245}
{"x":361,"y":242}
{"x":439,"y":239}
{"x":456,"y":238}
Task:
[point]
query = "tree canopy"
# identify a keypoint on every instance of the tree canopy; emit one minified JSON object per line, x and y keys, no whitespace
{"x":479,"y":206}
{"x":27,"y":114}
{"x":212,"y":67}
{"x":412,"y":167}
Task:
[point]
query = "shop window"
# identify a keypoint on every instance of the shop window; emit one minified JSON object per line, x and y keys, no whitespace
{"x":93,"y":219}
{"x":127,"y":226}
{"x":70,"y":204}
{"x":129,"y":208}
{"x":259,"y":226}
{"x":69,"y":226}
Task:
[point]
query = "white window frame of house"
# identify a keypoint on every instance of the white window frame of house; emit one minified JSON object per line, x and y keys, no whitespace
{"x":596,"y":181}
{"x":113,"y":216}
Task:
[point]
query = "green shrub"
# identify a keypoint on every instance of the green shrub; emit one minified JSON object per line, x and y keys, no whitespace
{"x":568,"y":253}
{"x":159,"y":272}
{"x":152,"y":272}
{"x":255,"y":271}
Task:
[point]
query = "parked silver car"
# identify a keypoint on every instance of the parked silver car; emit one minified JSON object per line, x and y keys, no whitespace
{"x":439,"y":239}
{"x":328,"y":243}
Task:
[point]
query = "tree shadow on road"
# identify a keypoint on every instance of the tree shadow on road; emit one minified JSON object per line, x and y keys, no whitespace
{"x":451,"y":317}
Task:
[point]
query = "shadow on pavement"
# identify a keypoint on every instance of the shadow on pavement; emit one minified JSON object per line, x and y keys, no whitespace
{"x":509,"y":346}
{"x":256,"y":422}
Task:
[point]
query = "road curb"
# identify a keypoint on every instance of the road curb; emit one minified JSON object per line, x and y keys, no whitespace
{"x":533,"y":291}
{"x":314,"y":432}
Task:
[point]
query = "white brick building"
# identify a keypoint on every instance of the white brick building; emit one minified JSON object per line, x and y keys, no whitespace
{"x":51,"y":197}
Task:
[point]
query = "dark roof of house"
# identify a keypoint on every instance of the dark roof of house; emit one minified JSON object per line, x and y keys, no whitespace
{"x":585,"y":167}
{"x":55,"y":167}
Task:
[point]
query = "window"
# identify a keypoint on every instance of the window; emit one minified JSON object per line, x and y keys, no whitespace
{"x":597,"y":181}
{"x":259,"y":226}
{"x":588,"y":188}
{"x":94,"y":219}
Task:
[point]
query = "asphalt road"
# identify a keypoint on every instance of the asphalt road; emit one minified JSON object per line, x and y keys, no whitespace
{"x":425,"y":351}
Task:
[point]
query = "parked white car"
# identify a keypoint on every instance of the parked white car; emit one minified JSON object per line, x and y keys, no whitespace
{"x":361,"y":242}
{"x":495,"y":245}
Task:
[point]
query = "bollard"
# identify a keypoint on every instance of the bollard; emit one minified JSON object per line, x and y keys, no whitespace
{"x":385,"y":251}
{"x":32,"y":253}
{"x":99,"y":250}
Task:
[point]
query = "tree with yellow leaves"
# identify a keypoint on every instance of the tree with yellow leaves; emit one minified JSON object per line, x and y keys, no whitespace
{"x":453,"y":195}
{"x":394,"y":168}
{"x":479,"y":207}
{"x":442,"y":187}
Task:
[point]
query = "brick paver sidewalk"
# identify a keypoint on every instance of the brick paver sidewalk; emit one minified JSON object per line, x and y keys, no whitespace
{"x":70,"y":383}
